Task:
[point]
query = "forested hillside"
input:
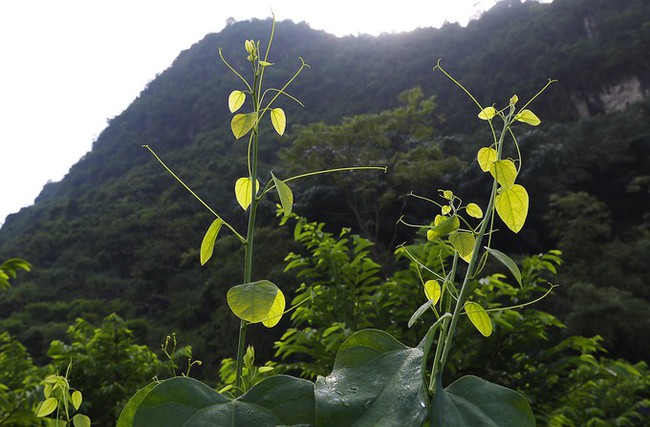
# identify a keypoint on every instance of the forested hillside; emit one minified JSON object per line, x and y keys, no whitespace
{"x":119,"y":235}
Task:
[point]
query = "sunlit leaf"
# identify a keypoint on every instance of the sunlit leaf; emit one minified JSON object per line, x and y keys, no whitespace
{"x":210,"y":237}
{"x":241,"y":124}
{"x":236,"y":100}
{"x":432,"y":290}
{"x":514,"y":100}
{"x":479,"y":318}
{"x":474,"y":210}
{"x":438,"y":219}
{"x":529,"y":117}
{"x":76,"y":398}
{"x":285,"y":194}
{"x":255,"y":302}
{"x":508,"y":262}
{"x":512,"y":206}
{"x":80,"y":420}
{"x":47,"y":407}
{"x":243,"y":191}
{"x":449,"y":225}
{"x":487,"y":113}
{"x":445,"y":209}
{"x":463,"y":242}
{"x":485,"y":157}
{"x":278,"y":120}
{"x":265,"y":64}
{"x":277,"y":310}
{"x":505,"y":172}
{"x":447,"y":194}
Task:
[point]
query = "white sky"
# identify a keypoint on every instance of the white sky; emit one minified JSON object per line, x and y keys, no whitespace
{"x":67,"y":66}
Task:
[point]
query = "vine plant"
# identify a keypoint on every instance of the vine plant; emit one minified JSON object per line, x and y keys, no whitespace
{"x":376,"y":380}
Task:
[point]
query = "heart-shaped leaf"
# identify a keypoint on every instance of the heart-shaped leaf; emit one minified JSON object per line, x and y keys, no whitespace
{"x":485,"y":157}
{"x":445,"y":227}
{"x":278,"y":120}
{"x":479,"y":318}
{"x":487,"y":113}
{"x":463,"y":242}
{"x":186,"y":402}
{"x":474,"y":210}
{"x":241,"y":124}
{"x":80,"y":420}
{"x":47,"y":407}
{"x":376,"y":380}
{"x":529,"y":117}
{"x":210,"y":237}
{"x":255,"y":302}
{"x":505,"y":172}
{"x":432,"y":290}
{"x":236,"y":100}
{"x":472,"y":401}
{"x":512,"y":206}
{"x":243,"y":191}
{"x":76,"y":399}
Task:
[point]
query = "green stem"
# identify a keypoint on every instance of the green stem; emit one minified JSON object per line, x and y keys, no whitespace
{"x":250,"y":236}
{"x":464,"y":290}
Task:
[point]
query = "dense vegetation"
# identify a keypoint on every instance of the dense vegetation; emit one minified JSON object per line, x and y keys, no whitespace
{"x":118,"y":236}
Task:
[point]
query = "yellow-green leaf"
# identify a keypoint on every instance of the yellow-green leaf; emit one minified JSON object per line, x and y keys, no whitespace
{"x":447,"y":194}
{"x":236,"y":100}
{"x":529,"y":117}
{"x":256,"y":302}
{"x":432,"y":290}
{"x":278,"y":120}
{"x":505,"y":172}
{"x":485,"y":157}
{"x":285,"y":194}
{"x":276,"y":311}
{"x":81,"y":420}
{"x":241,"y":124}
{"x":474,"y":210}
{"x":438,"y":219}
{"x":447,"y":226}
{"x":487,"y":113}
{"x":445,"y":209}
{"x":463,"y":242}
{"x":512,"y":206}
{"x":265,"y":64}
{"x":514,"y":100}
{"x":243,"y":191}
{"x":47,"y":407}
{"x":479,"y":318}
{"x":76,"y":398}
{"x":210,"y":237}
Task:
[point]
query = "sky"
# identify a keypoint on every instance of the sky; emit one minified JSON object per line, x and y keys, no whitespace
{"x":68,"y":66}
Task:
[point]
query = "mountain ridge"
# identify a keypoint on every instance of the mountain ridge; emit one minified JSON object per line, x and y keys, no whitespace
{"x":118,"y":233}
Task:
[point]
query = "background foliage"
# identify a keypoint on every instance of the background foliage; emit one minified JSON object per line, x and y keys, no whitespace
{"x":116,"y":235}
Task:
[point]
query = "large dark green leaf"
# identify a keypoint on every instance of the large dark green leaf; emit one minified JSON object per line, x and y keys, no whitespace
{"x":182,"y":401}
{"x":376,"y":380}
{"x":127,"y":414}
{"x":472,"y":401}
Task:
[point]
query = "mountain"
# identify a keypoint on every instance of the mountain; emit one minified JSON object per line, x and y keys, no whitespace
{"x":118,"y":234}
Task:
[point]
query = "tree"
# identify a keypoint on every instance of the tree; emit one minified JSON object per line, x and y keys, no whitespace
{"x":107,"y":365}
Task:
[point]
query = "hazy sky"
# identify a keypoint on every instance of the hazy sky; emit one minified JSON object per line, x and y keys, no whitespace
{"x":68,"y":66}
